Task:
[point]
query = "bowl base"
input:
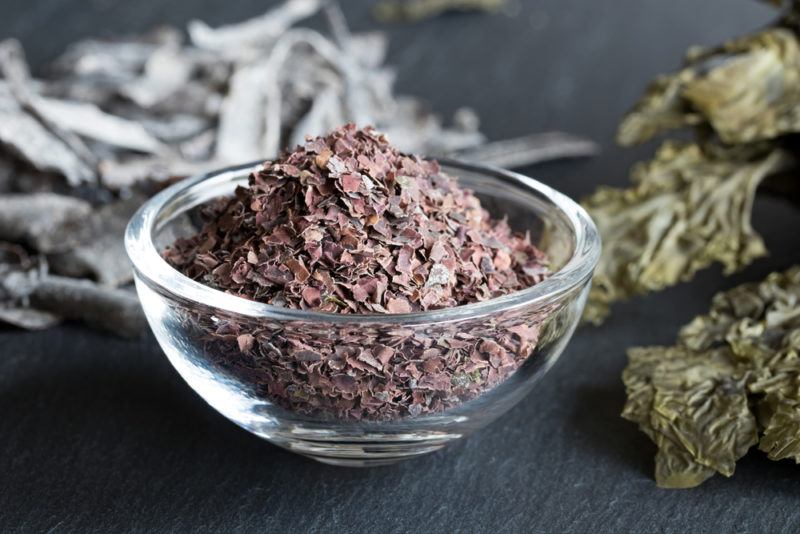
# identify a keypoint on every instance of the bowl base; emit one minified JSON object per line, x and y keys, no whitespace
{"x":369,"y":451}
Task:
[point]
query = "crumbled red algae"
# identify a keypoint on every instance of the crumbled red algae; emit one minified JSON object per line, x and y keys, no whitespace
{"x":347,"y":224}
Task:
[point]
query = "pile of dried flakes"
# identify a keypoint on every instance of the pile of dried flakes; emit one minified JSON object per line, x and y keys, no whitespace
{"x":348,"y":224}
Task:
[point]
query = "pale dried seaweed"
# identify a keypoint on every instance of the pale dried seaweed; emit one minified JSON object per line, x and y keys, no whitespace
{"x":530,"y":149}
{"x":46,"y":222}
{"x":100,"y":253}
{"x":732,"y":380}
{"x":241,"y":92}
{"x":33,"y":299}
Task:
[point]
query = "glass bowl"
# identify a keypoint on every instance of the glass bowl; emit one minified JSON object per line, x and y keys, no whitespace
{"x":313,"y":382}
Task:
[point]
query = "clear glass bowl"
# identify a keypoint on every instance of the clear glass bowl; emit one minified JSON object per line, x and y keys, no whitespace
{"x":264,"y":390}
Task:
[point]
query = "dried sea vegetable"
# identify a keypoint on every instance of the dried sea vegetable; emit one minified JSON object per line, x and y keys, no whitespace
{"x":348,"y":224}
{"x":687,"y":210}
{"x":746,"y":90}
{"x":46,"y":222}
{"x":691,"y":205}
{"x":731,"y":381}
{"x":32,"y":298}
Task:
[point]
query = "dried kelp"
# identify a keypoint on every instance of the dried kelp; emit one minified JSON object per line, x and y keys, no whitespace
{"x":530,"y":149}
{"x":114,"y":310}
{"x":100,"y":253}
{"x":32,"y":298}
{"x":732,"y":380}
{"x":155,"y":106}
{"x":47,"y":222}
{"x":691,"y":205}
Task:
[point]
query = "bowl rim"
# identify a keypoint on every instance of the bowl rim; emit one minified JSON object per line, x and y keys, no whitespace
{"x":152,"y":269}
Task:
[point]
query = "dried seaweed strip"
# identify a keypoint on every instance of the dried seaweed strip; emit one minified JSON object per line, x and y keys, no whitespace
{"x":166,"y":70}
{"x":253,"y":33}
{"x":325,"y":114}
{"x":15,"y":70}
{"x":28,"y":318}
{"x":32,"y":298}
{"x":338,"y":26}
{"x":46,"y":222}
{"x":104,"y":61}
{"x":90,"y":121}
{"x":241,"y":121}
{"x":114,"y":310}
{"x":176,"y":127}
{"x":126,"y":173}
{"x":101,"y":254}
{"x":17,"y":271}
{"x":27,"y":138}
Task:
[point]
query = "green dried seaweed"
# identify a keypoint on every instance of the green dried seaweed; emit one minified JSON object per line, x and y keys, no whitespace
{"x":747,"y":90}
{"x":687,"y":210}
{"x":691,"y":205}
{"x":781,"y":437}
{"x":731,"y":381}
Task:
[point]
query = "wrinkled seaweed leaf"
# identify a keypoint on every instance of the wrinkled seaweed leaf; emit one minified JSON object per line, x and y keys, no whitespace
{"x":687,"y":210}
{"x":733,"y":371}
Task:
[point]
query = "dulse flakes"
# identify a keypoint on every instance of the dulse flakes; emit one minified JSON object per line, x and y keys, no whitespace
{"x":348,"y":224}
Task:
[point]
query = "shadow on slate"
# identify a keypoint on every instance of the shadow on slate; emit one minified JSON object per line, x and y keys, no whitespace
{"x":603,"y":432}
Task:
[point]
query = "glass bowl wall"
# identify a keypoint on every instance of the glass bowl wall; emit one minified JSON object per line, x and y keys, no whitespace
{"x":277,"y":391}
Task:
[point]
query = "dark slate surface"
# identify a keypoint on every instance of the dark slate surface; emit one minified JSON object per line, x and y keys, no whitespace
{"x":99,"y":434}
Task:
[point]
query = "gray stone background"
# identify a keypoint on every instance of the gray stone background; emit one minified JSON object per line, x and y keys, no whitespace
{"x":100,"y":434}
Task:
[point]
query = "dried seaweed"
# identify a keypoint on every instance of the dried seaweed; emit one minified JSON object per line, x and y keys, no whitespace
{"x":691,"y":205}
{"x":154,"y":106}
{"x":46,"y":222}
{"x":100,"y":254}
{"x":747,"y":90}
{"x":687,"y":210}
{"x":529,"y":150}
{"x":32,"y":298}
{"x":348,"y":224}
{"x":732,"y":380}
{"x":114,"y":310}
